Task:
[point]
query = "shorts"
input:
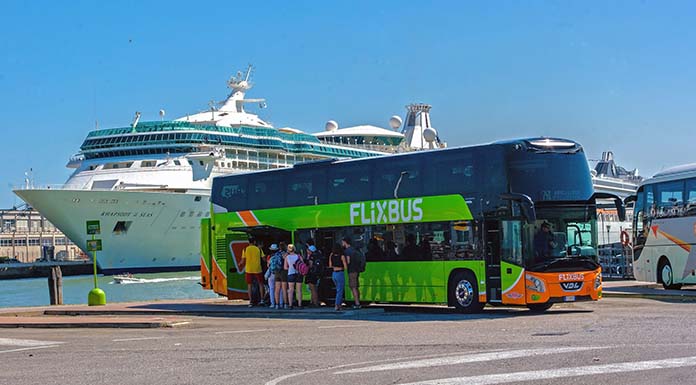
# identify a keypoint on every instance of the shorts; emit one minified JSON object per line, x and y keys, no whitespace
{"x":311,"y":279}
{"x":251,"y":277}
{"x":281,"y":276}
{"x":295,"y":278}
{"x":353,"y":280}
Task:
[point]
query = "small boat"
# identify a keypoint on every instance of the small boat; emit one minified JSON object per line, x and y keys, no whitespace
{"x":126,"y":278}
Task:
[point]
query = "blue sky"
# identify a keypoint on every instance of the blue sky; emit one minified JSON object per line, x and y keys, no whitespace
{"x":612,"y":75}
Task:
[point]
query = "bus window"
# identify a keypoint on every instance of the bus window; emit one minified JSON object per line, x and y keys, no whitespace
{"x":691,"y":197}
{"x":511,"y":247}
{"x":407,"y":175}
{"x":348,"y":183}
{"x":463,"y":243}
{"x":408,"y":242}
{"x":264,"y":193}
{"x":234,"y":195}
{"x":453,"y":173}
{"x":304,"y":189}
{"x":670,"y":194}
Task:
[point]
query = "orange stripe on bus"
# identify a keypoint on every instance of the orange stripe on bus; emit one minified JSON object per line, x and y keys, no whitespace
{"x":248,"y":218}
{"x":682,"y":244}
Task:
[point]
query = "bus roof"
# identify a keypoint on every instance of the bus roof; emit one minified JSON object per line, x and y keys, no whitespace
{"x":683,"y":171}
{"x":541,"y":143}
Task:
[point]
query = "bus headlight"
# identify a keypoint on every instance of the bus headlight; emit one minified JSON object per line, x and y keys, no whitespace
{"x":535,"y":284}
{"x":598,"y":281}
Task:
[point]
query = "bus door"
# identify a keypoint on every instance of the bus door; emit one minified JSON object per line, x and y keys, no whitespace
{"x":324,"y":241}
{"x":512,"y":262}
{"x":492,"y":253}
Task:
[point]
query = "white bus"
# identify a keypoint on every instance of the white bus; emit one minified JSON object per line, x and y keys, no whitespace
{"x":664,"y":228}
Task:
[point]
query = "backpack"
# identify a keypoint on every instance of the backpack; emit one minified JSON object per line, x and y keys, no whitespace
{"x":301,"y":267}
{"x":276,"y":263}
{"x":359,"y":259}
{"x":318,"y":264}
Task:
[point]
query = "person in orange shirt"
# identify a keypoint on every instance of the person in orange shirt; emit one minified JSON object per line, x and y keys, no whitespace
{"x":251,"y":261}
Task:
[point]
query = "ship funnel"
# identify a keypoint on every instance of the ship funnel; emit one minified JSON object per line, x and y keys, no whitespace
{"x":418,"y":132}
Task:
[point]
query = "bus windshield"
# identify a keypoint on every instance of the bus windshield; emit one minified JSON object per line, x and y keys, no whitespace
{"x":561,"y":233}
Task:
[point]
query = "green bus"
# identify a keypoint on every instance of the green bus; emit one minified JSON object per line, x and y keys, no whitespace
{"x":458,"y":226}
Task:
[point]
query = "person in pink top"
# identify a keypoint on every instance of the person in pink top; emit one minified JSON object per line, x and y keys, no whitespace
{"x":294,"y":276}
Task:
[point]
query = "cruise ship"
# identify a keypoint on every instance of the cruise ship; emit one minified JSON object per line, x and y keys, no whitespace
{"x":614,"y":256}
{"x":149,"y":183}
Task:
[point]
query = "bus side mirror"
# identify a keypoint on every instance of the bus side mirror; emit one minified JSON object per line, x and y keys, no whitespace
{"x":526,"y":205}
{"x":620,"y":209}
{"x":618,"y":203}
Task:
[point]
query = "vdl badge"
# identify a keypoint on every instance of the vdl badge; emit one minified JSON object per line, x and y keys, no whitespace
{"x":94,"y":245}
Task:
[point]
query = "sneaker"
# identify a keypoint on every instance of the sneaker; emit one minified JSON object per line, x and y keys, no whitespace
{"x":276,"y":307}
{"x":251,"y":305}
{"x":286,"y":307}
{"x":272,"y":306}
{"x":356,"y":306}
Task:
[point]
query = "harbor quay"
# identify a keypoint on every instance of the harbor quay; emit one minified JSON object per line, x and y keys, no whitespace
{"x":27,"y":236}
{"x":621,"y":339}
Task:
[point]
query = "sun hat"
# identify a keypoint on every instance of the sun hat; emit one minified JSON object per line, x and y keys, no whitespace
{"x":273,"y":247}
{"x":312,"y":248}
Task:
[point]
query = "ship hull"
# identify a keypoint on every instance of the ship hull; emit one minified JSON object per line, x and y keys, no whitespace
{"x":140,"y":231}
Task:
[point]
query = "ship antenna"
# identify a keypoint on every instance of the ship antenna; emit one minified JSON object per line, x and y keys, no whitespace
{"x":136,"y":120}
{"x":248,"y":74}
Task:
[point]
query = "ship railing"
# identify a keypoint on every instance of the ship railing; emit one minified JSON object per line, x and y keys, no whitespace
{"x":45,"y":187}
{"x":371,"y":147}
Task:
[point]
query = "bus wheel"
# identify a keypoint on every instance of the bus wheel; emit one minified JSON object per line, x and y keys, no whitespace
{"x":667,"y":276}
{"x":539,"y":307}
{"x":464,"y":293}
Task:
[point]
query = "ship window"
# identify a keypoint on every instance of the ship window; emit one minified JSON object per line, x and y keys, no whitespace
{"x":122,"y":227}
{"x":176,"y":162}
{"x":148,"y":163}
{"x":190,"y":162}
{"x":200,"y":162}
{"x":197,"y":198}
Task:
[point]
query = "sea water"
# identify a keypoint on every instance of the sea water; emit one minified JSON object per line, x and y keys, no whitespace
{"x":34,"y":291}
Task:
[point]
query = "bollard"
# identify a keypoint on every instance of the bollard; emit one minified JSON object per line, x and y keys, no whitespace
{"x":55,"y":286}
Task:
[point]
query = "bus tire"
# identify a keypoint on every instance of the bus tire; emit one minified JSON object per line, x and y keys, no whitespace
{"x":539,"y":307}
{"x":667,"y":275}
{"x":463,"y":292}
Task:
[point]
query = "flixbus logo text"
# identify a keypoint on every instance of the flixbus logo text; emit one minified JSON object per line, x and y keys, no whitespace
{"x":389,"y":211}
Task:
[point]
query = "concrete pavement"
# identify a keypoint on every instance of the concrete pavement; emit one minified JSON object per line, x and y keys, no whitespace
{"x":155,"y":314}
{"x":615,"y":341}
{"x":649,"y":290}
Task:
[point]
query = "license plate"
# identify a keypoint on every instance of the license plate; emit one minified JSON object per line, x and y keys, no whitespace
{"x":569,"y":298}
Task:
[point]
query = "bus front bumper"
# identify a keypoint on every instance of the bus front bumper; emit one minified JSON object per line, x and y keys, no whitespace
{"x":563,"y":287}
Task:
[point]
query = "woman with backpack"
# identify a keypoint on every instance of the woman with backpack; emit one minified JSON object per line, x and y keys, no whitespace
{"x":281,"y":277}
{"x":275,"y":265}
{"x":337,"y":262}
{"x":292,"y":262}
{"x":316,"y":268}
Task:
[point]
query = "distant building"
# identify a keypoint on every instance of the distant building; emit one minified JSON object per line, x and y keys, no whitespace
{"x":27,"y":236}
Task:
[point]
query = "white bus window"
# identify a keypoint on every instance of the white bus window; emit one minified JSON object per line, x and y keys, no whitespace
{"x":670,"y":194}
{"x":691,"y":190}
